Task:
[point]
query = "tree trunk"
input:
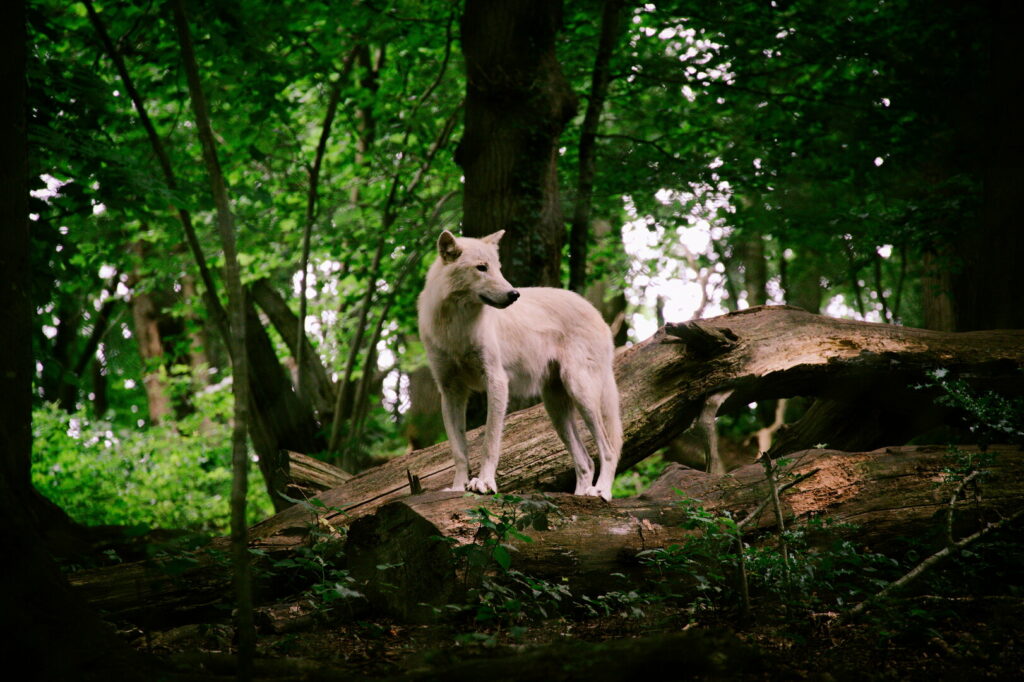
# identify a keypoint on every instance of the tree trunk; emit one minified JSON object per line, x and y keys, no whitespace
{"x":517,"y":103}
{"x":42,"y":622}
{"x":936,"y":297}
{"x":664,"y":382}
{"x":992,"y":251}
{"x":760,"y":353}
{"x":755,"y":270}
{"x":151,"y":349}
{"x":889,"y":495}
{"x":316,"y":384}
{"x":600,"y":76}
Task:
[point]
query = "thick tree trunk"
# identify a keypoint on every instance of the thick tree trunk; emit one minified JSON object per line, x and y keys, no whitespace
{"x":42,"y":622}
{"x":760,"y":353}
{"x":517,"y":104}
{"x":992,"y":251}
{"x":885,"y":495}
{"x":664,"y":382}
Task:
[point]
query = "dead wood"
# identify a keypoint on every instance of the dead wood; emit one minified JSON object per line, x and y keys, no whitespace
{"x":889,"y":495}
{"x":311,"y":475}
{"x":757,"y":354}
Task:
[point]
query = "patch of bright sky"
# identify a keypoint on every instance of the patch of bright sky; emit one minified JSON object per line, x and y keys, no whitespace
{"x":665,"y":259}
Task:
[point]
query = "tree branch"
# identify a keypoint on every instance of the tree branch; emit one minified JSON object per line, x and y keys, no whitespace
{"x":311,"y":202}
{"x":184,"y":216}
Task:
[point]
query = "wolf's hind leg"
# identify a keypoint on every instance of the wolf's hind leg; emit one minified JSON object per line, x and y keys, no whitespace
{"x":563,"y":417}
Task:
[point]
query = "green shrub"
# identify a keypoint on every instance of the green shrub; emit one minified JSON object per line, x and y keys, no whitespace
{"x":175,"y":475}
{"x":638,"y":478}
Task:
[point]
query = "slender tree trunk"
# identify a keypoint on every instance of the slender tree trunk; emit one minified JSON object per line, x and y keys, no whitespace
{"x":936,"y":293}
{"x":755,"y":271}
{"x":801,"y":281}
{"x":517,"y":104}
{"x":579,"y":232}
{"x":237,"y":313}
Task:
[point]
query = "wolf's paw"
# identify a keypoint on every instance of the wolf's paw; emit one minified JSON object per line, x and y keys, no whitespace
{"x":457,"y":485}
{"x":482,"y":485}
{"x":594,"y":491}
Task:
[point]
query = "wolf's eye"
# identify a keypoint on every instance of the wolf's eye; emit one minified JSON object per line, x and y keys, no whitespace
{"x":482,"y":267}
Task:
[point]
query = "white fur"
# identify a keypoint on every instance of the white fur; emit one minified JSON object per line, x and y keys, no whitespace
{"x":481,"y":334}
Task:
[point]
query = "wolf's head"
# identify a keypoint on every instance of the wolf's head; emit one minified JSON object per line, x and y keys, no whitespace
{"x":472,"y":266}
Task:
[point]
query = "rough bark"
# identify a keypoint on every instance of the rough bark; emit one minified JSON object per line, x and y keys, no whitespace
{"x":311,"y":475}
{"x":889,"y":494}
{"x":517,"y":103}
{"x":664,"y":382}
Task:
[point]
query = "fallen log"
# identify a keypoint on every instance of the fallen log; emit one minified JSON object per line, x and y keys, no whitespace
{"x":311,"y":475}
{"x":890,"y":494}
{"x":666,"y":382}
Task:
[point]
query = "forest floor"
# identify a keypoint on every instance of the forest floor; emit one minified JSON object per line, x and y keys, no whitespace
{"x":924,"y":638}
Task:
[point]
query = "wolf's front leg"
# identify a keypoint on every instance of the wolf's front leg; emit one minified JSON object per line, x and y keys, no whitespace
{"x":453,"y":412}
{"x":497,"y":402}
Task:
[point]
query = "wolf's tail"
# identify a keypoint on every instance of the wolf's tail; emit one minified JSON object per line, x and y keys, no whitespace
{"x":611,"y":415}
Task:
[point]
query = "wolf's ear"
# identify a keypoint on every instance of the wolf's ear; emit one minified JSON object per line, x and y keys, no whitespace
{"x":493,"y":238}
{"x":447,"y":247}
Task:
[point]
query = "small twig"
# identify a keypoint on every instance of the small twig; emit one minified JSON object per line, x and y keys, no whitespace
{"x":769,"y":474}
{"x":928,"y":563}
{"x":414,"y":483}
{"x":951,"y":507}
{"x":744,"y":585}
{"x":761,"y":507}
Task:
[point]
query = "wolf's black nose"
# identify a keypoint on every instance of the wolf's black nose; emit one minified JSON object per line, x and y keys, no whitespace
{"x":513,"y":296}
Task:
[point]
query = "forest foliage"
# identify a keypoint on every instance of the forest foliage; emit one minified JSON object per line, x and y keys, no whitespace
{"x":789,"y":152}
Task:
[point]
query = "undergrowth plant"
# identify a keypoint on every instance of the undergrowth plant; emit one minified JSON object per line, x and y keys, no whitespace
{"x":173,"y":475}
{"x":501,"y":597}
{"x":988,"y":416}
{"x":318,"y":564}
{"x":811,"y":572}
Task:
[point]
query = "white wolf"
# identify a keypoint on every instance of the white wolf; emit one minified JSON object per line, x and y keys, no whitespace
{"x":552,"y":342}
